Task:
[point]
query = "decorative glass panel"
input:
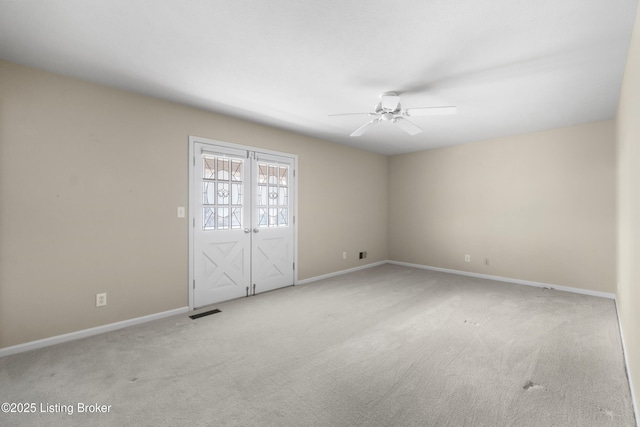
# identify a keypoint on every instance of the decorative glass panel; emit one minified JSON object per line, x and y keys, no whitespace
{"x":236,"y":194}
{"x":209,"y":168}
{"x":273,"y":174}
{"x":262,"y":173}
{"x":208,"y":193}
{"x":236,"y":170}
{"x":262,"y":217}
{"x":273,"y":195}
{"x":283,"y":218}
{"x":284,"y":196}
{"x":222,"y":193}
{"x":223,"y":169}
{"x":273,"y":217}
{"x":284,"y":175}
{"x":208,"y":218}
{"x":236,"y":218}
{"x":223,"y":218}
{"x":262,"y":195}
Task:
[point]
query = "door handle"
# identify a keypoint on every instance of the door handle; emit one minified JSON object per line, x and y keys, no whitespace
{"x":247,"y":230}
{"x":255,"y":230}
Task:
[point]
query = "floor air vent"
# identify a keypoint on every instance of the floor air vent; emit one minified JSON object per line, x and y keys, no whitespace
{"x":206,"y":313}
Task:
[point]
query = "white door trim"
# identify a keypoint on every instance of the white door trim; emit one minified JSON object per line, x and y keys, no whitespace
{"x":196,"y":139}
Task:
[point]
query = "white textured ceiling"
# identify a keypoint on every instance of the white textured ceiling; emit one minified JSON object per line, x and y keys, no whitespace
{"x":510,"y":66}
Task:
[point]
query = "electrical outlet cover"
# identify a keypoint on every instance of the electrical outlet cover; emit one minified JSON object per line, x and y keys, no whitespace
{"x":101,"y":299}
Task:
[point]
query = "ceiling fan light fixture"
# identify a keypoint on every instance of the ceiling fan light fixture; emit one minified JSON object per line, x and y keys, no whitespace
{"x":389,"y":110}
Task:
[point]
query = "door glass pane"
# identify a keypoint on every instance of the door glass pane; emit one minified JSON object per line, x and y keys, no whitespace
{"x":209,"y":168}
{"x":223,"y":169}
{"x":284,"y":175}
{"x":236,"y":218}
{"x":236,"y":194}
{"x":283,"y":218}
{"x":262,"y":217}
{"x":208,"y":218}
{"x":273,"y":217}
{"x":262,"y":195}
{"x":273,"y":195}
{"x":223,"y":218}
{"x":236,"y":170}
{"x":262,"y":173}
{"x":222,"y":193}
{"x":273,"y":174}
{"x":208,"y":193}
{"x":284,"y":196}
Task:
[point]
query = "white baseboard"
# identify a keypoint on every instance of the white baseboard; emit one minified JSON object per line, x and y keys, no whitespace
{"x":46,"y":342}
{"x":510,"y":280}
{"x":464,"y":273}
{"x":628,"y":372}
{"x":339,"y":273}
{"x":20,"y":348}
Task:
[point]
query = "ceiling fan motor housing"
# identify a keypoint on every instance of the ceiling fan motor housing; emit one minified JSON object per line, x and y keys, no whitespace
{"x":390,"y":102}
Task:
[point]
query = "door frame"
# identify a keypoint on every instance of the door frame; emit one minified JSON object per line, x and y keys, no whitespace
{"x":213,"y":143}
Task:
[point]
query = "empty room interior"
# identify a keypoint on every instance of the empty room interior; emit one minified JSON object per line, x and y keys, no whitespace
{"x":282,"y":213}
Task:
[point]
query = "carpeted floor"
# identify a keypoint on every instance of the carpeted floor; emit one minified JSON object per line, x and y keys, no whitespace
{"x":385,"y":346}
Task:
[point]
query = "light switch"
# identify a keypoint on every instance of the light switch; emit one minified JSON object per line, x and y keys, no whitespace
{"x":180,"y":211}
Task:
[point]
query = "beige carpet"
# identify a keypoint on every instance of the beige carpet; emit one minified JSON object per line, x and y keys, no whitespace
{"x":386,"y":346}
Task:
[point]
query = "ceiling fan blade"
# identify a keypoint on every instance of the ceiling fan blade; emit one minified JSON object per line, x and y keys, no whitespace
{"x":352,"y":114}
{"x":365,"y":127}
{"x":430,"y":111}
{"x":407,"y":126}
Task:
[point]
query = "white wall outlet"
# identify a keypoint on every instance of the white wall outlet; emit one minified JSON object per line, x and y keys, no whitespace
{"x":181,"y":212}
{"x":101,"y":299}
{"x":344,"y":255}
{"x":467,"y":258}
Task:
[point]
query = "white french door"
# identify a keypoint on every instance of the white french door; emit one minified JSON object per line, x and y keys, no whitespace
{"x":242,"y":208}
{"x":272,"y":237}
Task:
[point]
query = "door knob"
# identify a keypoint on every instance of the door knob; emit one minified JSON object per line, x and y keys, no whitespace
{"x":255,"y":230}
{"x":247,"y":230}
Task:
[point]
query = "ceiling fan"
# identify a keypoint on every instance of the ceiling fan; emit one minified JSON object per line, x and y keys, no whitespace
{"x":389,"y":109}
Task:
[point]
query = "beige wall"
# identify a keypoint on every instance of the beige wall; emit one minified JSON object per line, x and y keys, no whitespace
{"x":540,"y":206}
{"x":628,"y":138}
{"x":90,"y":179}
